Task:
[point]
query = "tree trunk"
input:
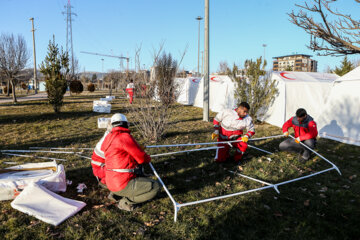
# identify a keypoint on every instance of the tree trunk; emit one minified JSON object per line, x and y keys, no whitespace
{"x":8,"y":87}
{"x":13,"y":92}
{"x":111,"y":84}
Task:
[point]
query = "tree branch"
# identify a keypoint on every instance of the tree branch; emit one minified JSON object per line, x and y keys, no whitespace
{"x":341,"y":37}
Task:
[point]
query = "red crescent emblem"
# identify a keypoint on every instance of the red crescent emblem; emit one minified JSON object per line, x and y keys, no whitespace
{"x":195,"y":80}
{"x":213,"y":79}
{"x":283,"y":75}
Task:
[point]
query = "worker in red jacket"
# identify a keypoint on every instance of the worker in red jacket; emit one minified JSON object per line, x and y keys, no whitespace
{"x":130,"y":90}
{"x":229,"y":125}
{"x":123,"y":156}
{"x":305,"y":131}
{"x":98,"y":159}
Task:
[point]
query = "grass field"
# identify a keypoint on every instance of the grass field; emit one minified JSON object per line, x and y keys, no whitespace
{"x":323,"y":207}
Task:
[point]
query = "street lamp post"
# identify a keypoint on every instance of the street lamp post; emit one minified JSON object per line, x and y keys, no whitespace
{"x":35,"y":83}
{"x":199,"y":19}
{"x":206,"y":72}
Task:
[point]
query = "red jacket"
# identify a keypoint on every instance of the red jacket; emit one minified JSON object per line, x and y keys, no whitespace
{"x":121,"y":152}
{"x":305,"y":130}
{"x":98,"y":168}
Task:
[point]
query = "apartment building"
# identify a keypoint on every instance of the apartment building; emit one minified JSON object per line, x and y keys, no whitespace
{"x":295,"y":62}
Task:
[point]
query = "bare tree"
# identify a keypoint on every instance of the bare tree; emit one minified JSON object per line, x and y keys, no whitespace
{"x":335,"y":38}
{"x":115,"y":80}
{"x":13,"y":58}
{"x":223,"y":67}
{"x":153,"y":108}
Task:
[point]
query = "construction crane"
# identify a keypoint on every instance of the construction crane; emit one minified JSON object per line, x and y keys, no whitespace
{"x":106,"y":55}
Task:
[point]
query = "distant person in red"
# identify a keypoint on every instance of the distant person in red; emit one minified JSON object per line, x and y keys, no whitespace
{"x":305,"y":131}
{"x":130,"y":90}
{"x":143,"y":90}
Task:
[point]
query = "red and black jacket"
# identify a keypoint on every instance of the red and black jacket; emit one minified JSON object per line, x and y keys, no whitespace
{"x":305,"y":130}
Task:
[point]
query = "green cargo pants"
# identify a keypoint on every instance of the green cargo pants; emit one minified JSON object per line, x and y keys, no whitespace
{"x":139,"y":190}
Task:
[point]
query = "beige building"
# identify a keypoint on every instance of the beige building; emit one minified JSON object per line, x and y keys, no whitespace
{"x":296,"y":62}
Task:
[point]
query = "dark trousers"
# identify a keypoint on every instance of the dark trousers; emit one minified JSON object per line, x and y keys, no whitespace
{"x":289,"y":145}
{"x":139,"y":190}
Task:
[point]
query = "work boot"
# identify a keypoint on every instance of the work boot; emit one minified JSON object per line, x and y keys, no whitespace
{"x":303,"y":159}
{"x":111,"y":197}
{"x":124,"y":205}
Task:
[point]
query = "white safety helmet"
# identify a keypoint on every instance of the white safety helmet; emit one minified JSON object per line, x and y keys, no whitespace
{"x":118,"y":119}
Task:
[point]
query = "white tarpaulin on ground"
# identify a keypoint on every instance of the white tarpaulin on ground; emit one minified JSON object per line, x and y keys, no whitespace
{"x":222,"y":91}
{"x":187,"y":89}
{"x":12,"y":183}
{"x":45,"y":205}
{"x":308,"y":90}
{"x":340,"y":118}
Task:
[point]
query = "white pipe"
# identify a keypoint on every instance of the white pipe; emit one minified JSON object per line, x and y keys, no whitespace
{"x":191,"y":144}
{"x":18,"y":155}
{"x":308,"y":176}
{"x":263,"y":138}
{"x":83,"y":156}
{"x":176,"y":208}
{"x":256,"y":180}
{"x":252,"y":190}
{"x":259,"y":149}
{"x":209,"y":143}
{"x":29,"y":151}
{"x":192,"y":150}
{"x":60,"y":148}
{"x":222,"y":197}
{"x":162,"y":183}
{"x":332,"y":164}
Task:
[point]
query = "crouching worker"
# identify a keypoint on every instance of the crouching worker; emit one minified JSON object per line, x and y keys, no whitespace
{"x":98,"y":159}
{"x":229,"y":125}
{"x":305,"y":131}
{"x":123,"y":155}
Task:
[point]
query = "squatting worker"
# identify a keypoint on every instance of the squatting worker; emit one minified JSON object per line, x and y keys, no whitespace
{"x":130,"y":90}
{"x":98,"y":159}
{"x":122,"y":157}
{"x":305,"y":131}
{"x":229,"y":124}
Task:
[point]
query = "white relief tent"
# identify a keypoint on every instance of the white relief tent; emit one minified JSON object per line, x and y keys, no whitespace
{"x":222,"y":93}
{"x":187,"y":89}
{"x":308,"y":90}
{"x":340,"y":118}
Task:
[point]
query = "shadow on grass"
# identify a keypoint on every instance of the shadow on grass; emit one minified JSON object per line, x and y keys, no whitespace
{"x":61,"y":142}
{"x":197,"y":170}
{"x":29,"y":118}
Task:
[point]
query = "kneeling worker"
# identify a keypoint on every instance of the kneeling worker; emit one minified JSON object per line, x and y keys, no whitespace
{"x":123,"y":155}
{"x":305,"y":131}
{"x":98,"y":159}
{"x":229,"y":124}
